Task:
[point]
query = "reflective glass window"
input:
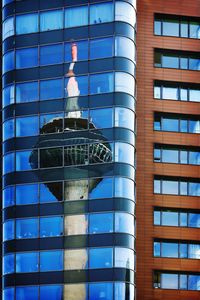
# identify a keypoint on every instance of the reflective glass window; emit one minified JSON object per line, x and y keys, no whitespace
{"x":8,"y":196}
{"x":26,"y":194}
{"x":183,"y":94}
{"x":169,"y":218}
{"x":124,"y":187}
{"x":157,"y":217}
{"x":8,"y":294}
{"x":194,"y":30}
{"x":8,"y":27}
{"x":125,"y":12}
{"x":23,"y":160}
{"x":124,"y":83}
{"x":8,"y":61}
{"x":170,"y":124}
{"x":101,"y":13}
{"x":51,"y":192}
{"x":124,"y":118}
{"x":183,"y":281}
{"x":27,"y":23}
{"x":51,"y":20}
{"x":27,"y":228}
{"x":183,"y":157}
{"x":124,"y":258}
{"x":51,"y":89}
{"x":100,"y":48}
{"x":75,"y":225}
{"x":170,"y":156}
{"x":27,"y":292}
{"x":157,"y":27}
{"x":194,"y":189}
{"x":82,"y":50}
{"x":184,"y":28}
{"x":76,"y":259}
{"x":46,"y":119}
{"x":194,"y":64}
{"x":170,"y":61}
{"x":52,"y":54}
{"x":101,"y":83}
{"x":125,"y":47}
{"x":194,"y":126}
{"x":26,"y":58}
{"x":170,"y":93}
{"x":157,"y":92}
{"x":170,"y":187}
{"x":183,"y":219}
{"x":27,"y":126}
{"x":52,"y":226}
{"x":102,"y":118}
{"x":8,"y":264}
{"x":169,"y":281}
{"x":157,"y":249}
{"x":194,"y":282}
{"x":75,"y":291}
{"x":51,"y":261}
{"x":100,"y":258}
{"x":71,"y":191}
{"x":51,"y":292}
{"x":8,"y":163}
{"x":100,"y":223}
{"x":51,"y":157}
{"x":124,"y":153}
{"x":183,"y":188}
{"x":104,"y":188}
{"x":27,"y":92}
{"x":101,"y":291}
{"x":194,"y":158}
{"x":194,"y":251}
{"x":124,"y":223}
{"x":4,"y":2}
{"x":8,"y":95}
{"x":82,"y":84}
{"x":194,"y":95}
{"x":157,"y":187}
{"x":183,"y":125}
{"x":184,"y":63}
{"x":170,"y":27}
{"x":8,"y":230}
{"x":76,"y":16}
{"x":170,"y":249}
{"x":27,"y":262}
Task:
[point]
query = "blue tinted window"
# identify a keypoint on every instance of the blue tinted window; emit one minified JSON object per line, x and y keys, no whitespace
{"x":194,"y":220}
{"x":8,"y":61}
{"x":101,"y":13}
{"x":51,"y":20}
{"x":124,"y":187}
{"x":194,"y":126}
{"x":194,"y":282}
{"x":194,"y":64}
{"x":170,"y":249}
{"x":101,"y":83}
{"x":8,"y":294}
{"x":51,"y":89}
{"x":100,"y":223}
{"x":169,"y":281}
{"x":8,"y":230}
{"x":101,"y":258}
{"x":101,"y":291}
{"x":8,"y":95}
{"x":76,"y":16}
{"x":52,"y":226}
{"x":82,"y":50}
{"x":27,"y":262}
{"x":45,"y":119}
{"x":8,"y":196}
{"x":51,"y":292}
{"x":104,"y":189}
{"x":8,"y":264}
{"x":47,"y":192}
{"x":125,"y":47}
{"x":27,"y":126}
{"x":194,"y":251}
{"x":124,"y":223}
{"x":194,"y":158}
{"x":124,"y":258}
{"x":82,"y":85}
{"x":156,"y":249}
{"x":27,"y":228}
{"x":170,"y":61}
{"x":26,"y":23}
{"x":8,"y":129}
{"x":170,"y":187}
{"x":8,"y":163}
{"x":170,"y":124}
{"x":27,"y":194}
{"x":100,"y":48}
{"x":23,"y":160}
{"x":26,"y":58}
{"x":27,"y":293}
{"x":102,"y":118}
{"x":51,"y":261}
{"x":124,"y":83}
{"x":8,"y":27}
{"x":194,"y":189}
{"x":170,"y":218}
{"x":27,"y":92}
{"x":156,"y":217}
{"x":52,"y":54}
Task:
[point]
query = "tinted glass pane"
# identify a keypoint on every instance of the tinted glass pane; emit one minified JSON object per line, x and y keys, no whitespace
{"x":194,"y":282}
{"x":124,"y":188}
{"x":8,"y":230}
{"x":76,"y":16}
{"x":101,"y":83}
{"x":183,"y":157}
{"x":157,"y":248}
{"x":184,"y":63}
{"x":75,"y":291}
{"x":81,"y":83}
{"x":169,"y":281}
{"x":183,"y":94}
{"x":72,"y":193}
{"x":124,"y":223}
{"x":184,"y":125}
{"x":170,"y":93}
{"x":169,"y":61}
{"x":124,"y":83}
{"x":52,"y":226}
{"x":157,"y":92}
{"x":99,"y":223}
{"x":184,"y":29}
{"x":27,"y":126}
{"x":101,"y":258}
{"x":124,"y":258}
{"x":157,"y":27}
{"x":26,"y":228}
{"x":76,"y":259}
{"x":75,"y":225}
{"x":183,"y":219}
{"x":170,"y":124}
{"x":8,"y":264}
{"x":124,"y":12}
{"x":26,"y":58}
{"x":51,"y":20}
{"x":46,"y":156}
{"x":8,"y":196}
{"x":8,"y":95}
{"x":194,"y":95}
{"x":169,"y":218}
{"x":51,"y":261}
{"x":169,"y":250}
{"x":51,"y":292}
{"x":194,"y":158}
{"x":183,"y":250}
{"x":82,"y":50}
{"x":194,"y":64}
{"x":22,"y":160}
{"x":194,"y":126}
{"x":8,"y":163}
{"x":8,"y":129}
{"x":170,"y":156}
{"x":183,"y":188}
{"x":26,"y":23}
{"x":52,"y":54}
{"x":101,"y":13}
{"x":194,"y":30}
{"x":51,"y":89}
{"x":171,"y":28}
{"x":194,"y":251}
{"x":102,"y":118}
{"x":8,"y":294}
{"x":194,"y":220}
{"x":170,"y":187}
{"x":157,"y":218}
{"x":183,"y":282}
{"x":100,"y":48}
{"x":27,"y":92}
{"x":8,"y":27}
{"x":50,"y":118}
{"x":101,"y":291}
{"x":24,"y":293}
{"x":8,"y":61}
{"x":51,"y":192}
{"x":27,"y":262}
{"x":124,"y":118}
{"x":157,"y":186}
{"x":27,"y":194}
{"x":194,"y":189}
{"x":104,"y":189}
{"x":125,"y":47}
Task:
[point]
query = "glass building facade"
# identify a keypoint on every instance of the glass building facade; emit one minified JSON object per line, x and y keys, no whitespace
{"x":69,"y":149}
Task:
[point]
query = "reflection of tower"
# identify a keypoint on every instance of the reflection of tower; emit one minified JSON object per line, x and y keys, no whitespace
{"x":79,"y":150}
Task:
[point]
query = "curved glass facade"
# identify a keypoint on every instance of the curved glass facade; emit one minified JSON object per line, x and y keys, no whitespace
{"x":69,"y":151}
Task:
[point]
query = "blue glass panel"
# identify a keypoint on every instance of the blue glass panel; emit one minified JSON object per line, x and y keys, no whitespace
{"x":27,"y":126}
{"x":76,"y":16}
{"x":194,"y":220}
{"x":194,"y":64}
{"x":8,"y":294}
{"x":124,"y":83}
{"x":26,"y":58}
{"x":23,"y":160}
{"x":121,"y":291}
{"x":27,"y":228}
{"x":27,"y":293}
{"x":194,"y":282}
{"x":8,"y":264}
{"x":170,"y":124}
{"x":8,"y":163}
{"x":183,"y":219}
{"x":8,"y":61}
{"x":104,"y":189}
{"x":45,"y":119}
{"x":100,"y":48}
{"x":8,"y":230}
{"x":125,"y":47}
{"x":124,"y":258}
{"x":124,"y":187}
{"x":82,"y":50}
{"x":101,"y":13}
{"x":51,"y":20}
{"x":8,"y":27}
{"x":27,"y":262}
{"x":26,"y":23}
{"x":100,"y":258}
{"x":100,"y":223}
{"x":169,"y":281}
{"x":8,"y":95}
{"x":183,"y":250}
{"x":157,"y":218}
{"x":52,"y":226}
{"x":124,"y":223}
{"x":194,"y":30}
{"x":156,"y":247}
{"x":194,"y":189}
{"x":8,"y":129}
{"x":170,"y":187}
{"x":101,"y":83}
{"x":80,"y":82}
{"x":125,"y":12}
{"x":194,"y":126}
{"x":157,"y":186}
{"x":183,"y":281}
{"x":124,"y":118}
{"x":51,"y":292}
{"x":171,"y":27}
{"x":51,"y":89}
{"x":51,"y":261}
{"x":101,"y":291}
{"x":27,"y":92}
{"x":102,"y":118}
{"x":4,"y":2}
{"x":169,"y":250}
{"x":52,"y":54}
{"x":8,"y":196}
{"x":194,"y":251}
{"x":27,"y":194}
{"x":46,"y":195}
{"x":170,"y":218}
{"x":169,"y":61}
